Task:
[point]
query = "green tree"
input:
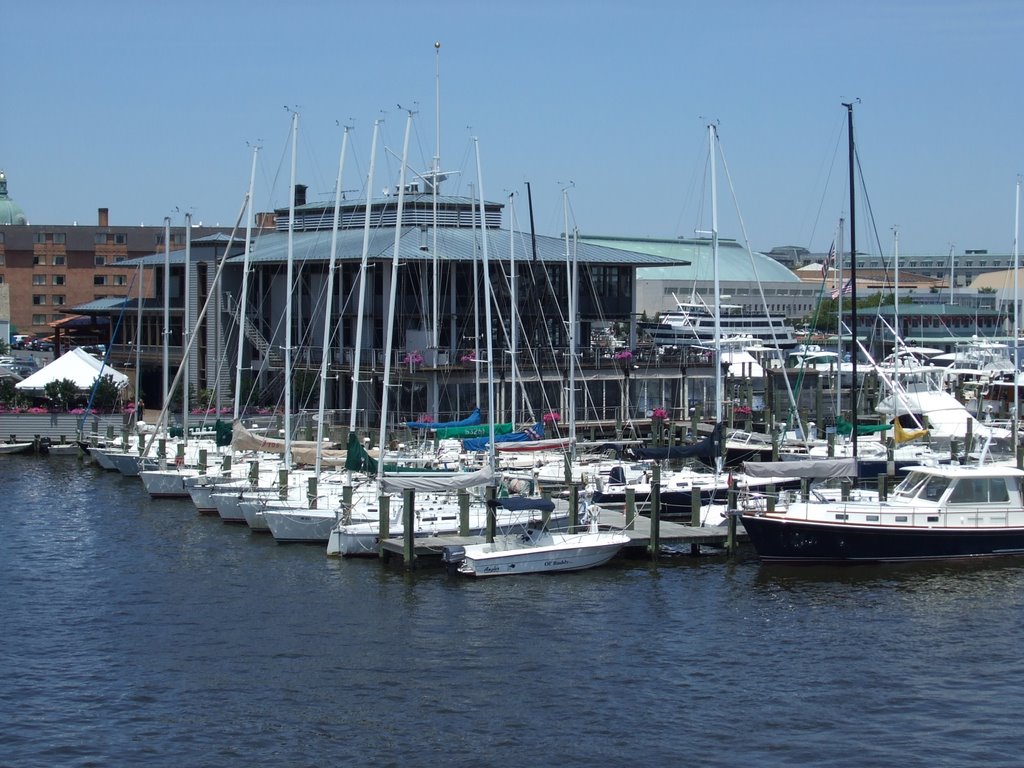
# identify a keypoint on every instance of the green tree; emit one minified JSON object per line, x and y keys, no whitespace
{"x":62,"y":393}
{"x":105,"y":392}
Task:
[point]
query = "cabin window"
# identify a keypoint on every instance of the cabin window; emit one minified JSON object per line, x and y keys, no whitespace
{"x":980,"y":490}
{"x":901,"y":518}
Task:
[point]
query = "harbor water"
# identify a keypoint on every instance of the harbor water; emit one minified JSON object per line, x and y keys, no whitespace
{"x":136,"y":632}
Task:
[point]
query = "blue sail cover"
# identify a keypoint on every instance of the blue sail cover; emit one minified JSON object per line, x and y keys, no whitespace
{"x":469,"y":421}
{"x":536,"y":432}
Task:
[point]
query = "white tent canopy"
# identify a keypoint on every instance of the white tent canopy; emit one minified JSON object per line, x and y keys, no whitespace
{"x":76,"y":365}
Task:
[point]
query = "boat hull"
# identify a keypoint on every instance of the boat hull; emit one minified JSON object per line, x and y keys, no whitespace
{"x":780,"y":540}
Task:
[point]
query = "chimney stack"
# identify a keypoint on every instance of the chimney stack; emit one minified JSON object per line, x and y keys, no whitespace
{"x":104,"y":213}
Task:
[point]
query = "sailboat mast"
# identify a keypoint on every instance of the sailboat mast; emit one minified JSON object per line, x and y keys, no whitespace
{"x":487,"y":312}
{"x":138,"y":348}
{"x":185,"y":329}
{"x":390,"y":340}
{"x":167,"y":321}
{"x":361,"y":304}
{"x":435,"y":264}
{"x":514,"y":296}
{"x":288,"y":303}
{"x":1016,"y":324}
{"x":329,"y":305}
{"x":853,"y":278}
{"x":713,"y":137}
{"x":243,"y":294}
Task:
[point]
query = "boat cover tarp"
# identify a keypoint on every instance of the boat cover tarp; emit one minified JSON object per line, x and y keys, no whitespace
{"x":812,"y":469}
{"x":244,"y":440}
{"x":329,"y":457}
{"x":843,"y":427}
{"x":473,"y":418}
{"x":523,"y":503}
{"x":451,"y":481}
{"x":707,"y":448}
{"x":474,"y":430}
{"x":536,"y":432}
{"x":903,"y":435}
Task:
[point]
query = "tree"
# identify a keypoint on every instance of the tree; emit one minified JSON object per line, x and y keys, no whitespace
{"x":105,"y":393}
{"x":62,"y":393}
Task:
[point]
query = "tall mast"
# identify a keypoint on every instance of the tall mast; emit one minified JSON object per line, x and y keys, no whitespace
{"x":243,"y":298}
{"x":361,"y":303}
{"x":1016,"y":324}
{"x":138,"y":348}
{"x":288,"y":303}
{"x":853,"y":279}
{"x":185,"y":329}
{"x":436,"y":318}
{"x":514,"y":297}
{"x":713,"y":139}
{"x":329,"y":305}
{"x":167,"y":321}
{"x":487,"y":312}
{"x":390,"y":330}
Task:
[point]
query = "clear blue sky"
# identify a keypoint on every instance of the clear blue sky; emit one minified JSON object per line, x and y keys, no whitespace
{"x":150,"y":109}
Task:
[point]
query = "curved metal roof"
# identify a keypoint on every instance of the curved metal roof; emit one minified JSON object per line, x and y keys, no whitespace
{"x":694,"y":262}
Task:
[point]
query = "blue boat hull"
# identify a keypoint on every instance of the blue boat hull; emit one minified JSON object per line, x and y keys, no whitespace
{"x":799,"y":541}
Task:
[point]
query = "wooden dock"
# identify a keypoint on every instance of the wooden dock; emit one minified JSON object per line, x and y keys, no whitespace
{"x":670,"y":535}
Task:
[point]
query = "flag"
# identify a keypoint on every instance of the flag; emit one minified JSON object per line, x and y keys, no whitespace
{"x":830,"y":259}
{"x":847,"y":290}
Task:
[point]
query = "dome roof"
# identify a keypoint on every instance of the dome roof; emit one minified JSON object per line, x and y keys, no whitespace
{"x":10,"y":211}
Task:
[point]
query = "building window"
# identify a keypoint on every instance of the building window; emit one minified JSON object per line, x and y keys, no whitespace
{"x":120,"y":280}
{"x":38,"y":319}
{"x":99,"y":279}
{"x":100,"y":261}
{"x":58,"y":301}
{"x":38,"y":279}
{"x":2,"y":257}
{"x":39,"y":238}
{"x":38,"y":261}
{"x":38,"y":299}
{"x":121,"y":239}
{"x":100,"y":238}
{"x":1,"y":279}
{"x":55,"y":318}
{"x":59,"y":238}
{"x":59,"y":261}
{"x":58,"y":279}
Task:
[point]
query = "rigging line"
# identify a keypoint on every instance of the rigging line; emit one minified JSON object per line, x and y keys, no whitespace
{"x":757,"y":279}
{"x":871,"y":215}
{"x":106,"y":357}
{"x":840,"y":133}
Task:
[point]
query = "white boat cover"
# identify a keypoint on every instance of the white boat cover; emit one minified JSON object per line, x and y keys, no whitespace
{"x":440,"y":482}
{"x":818,"y":469}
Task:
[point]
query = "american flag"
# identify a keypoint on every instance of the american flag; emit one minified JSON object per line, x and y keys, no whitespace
{"x":829,"y":260}
{"x":847,"y":290}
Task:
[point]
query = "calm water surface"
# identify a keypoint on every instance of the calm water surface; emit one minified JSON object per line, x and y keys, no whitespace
{"x":135,"y":632}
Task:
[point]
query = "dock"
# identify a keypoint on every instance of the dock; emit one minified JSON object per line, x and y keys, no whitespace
{"x":671,"y":534}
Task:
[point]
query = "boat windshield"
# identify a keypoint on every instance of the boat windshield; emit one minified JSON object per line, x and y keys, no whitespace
{"x":922,"y":487}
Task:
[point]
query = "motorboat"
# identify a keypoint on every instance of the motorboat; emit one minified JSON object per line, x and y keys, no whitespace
{"x":938,"y":512}
{"x":538,"y":550}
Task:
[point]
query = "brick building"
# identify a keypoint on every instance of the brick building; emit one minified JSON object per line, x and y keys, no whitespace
{"x":50,"y":268}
